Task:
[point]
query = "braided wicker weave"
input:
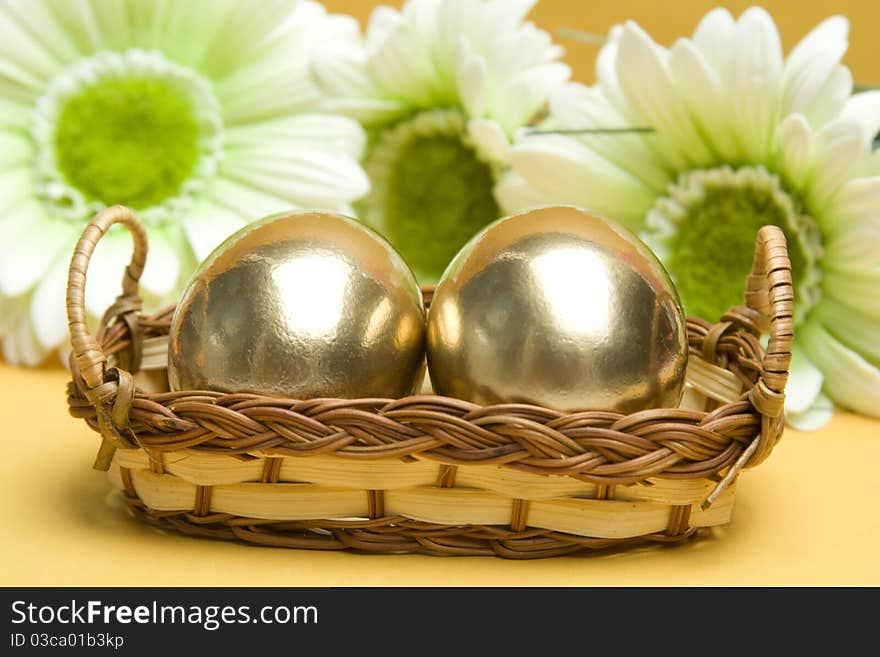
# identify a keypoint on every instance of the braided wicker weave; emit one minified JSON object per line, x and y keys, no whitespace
{"x":428,"y":473}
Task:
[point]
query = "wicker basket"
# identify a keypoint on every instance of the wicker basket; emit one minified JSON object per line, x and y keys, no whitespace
{"x":428,"y":473}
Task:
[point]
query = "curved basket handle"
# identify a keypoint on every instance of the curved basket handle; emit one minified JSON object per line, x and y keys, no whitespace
{"x":769,"y":297}
{"x":110,"y":392}
{"x":769,"y":291}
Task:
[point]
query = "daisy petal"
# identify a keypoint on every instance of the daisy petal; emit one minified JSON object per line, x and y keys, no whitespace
{"x":569,"y":173}
{"x":247,"y":202}
{"x":513,"y":194}
{"x":337,"y":134}
{"x":804,"y":383}
{"x":857,"y":199}
{"x":473,"y":79}
{"x":840,"y":150}
{"x":831,"y":98}
{"x":703,"y":92}
{"x":106,"y":269}
{"x":855,"y":249}
{"x":305,"y":176}
{"x":15,"y":150}
{"x":754,"y":82}
{"x":864,"y":110}
{"x":795,"y":148}
{"x":48,"y":310}
{"x":15,"y":188}
{"x":340,"y":70}
{"x":849,"y":379}
{"x":715,"y":37}
{"x":852,"y":327}
{"x":489,"y":139}
{"x":812,"y":62}
{"x":162,"y":272}
{"x":208,"y":226}
{"x":33,"y":243}
{"x":857,"y":289}
{"x":646,"y":80}
{"x":574,"y":106}
{"x":20,"y":344}
{"x":814,"y":418}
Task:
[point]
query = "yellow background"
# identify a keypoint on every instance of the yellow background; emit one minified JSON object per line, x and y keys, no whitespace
{"x":810,"y":515}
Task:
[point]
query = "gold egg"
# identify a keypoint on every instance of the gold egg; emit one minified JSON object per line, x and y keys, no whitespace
{"x":303,"y":305}
{"x":560,"y":308}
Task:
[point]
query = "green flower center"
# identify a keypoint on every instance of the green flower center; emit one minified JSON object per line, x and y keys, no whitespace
{"x":431,"y":190}
{"x":144,"y":122}
{"x":704,"y":232}
{"x":130,"y":128}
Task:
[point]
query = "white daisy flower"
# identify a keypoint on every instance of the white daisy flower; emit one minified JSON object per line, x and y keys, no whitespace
{"x":442,"y":85}
{"x":201,"y":116}
{"x":742,"y":137}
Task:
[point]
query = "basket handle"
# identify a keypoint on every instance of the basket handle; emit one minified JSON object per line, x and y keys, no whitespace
{"x":769,"y":298}
{"x":769,"y":291}
{"x":110,"y":392}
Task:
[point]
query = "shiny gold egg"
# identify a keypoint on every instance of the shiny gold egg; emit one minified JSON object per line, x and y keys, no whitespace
{"x":561,"y":308}
{"x":303,"y":305}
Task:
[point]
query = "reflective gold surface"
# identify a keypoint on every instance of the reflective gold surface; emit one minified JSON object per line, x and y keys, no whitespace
{"x":557,"y":307}
{"x":303,"y":305}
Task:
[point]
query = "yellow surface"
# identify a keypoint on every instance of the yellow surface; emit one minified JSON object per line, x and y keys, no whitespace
{"x":810,"y":515}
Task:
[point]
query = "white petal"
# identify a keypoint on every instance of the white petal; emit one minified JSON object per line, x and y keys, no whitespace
{"x":840,"y":151}
{"x":646,"y":80}
{"x":80,"y":20}
{"x":30,"y":244}
{"x":795,"y":147}
{"x":162,"y":273}
{"x":268,"y":62}
{"x":341,"y":70}
{"x":755,"y":82}
{"x":245,"y":201}
{"x":48,"y":309}
{"x":106,"y":270}
{"x":851,"y":326}
{"x":513,"y":194}
{"x":20,"y":344}
{"x":804,"y":383}
{"x":25,"y":64}
{"x":857,"y":200}
{"x":306,"y":176}
{"x":812,"y":62}
{"x":401,"y":68}
{"x":473,"y":80}
{"x":814,"y":418}
{"x":15,"y":115}
{"x":16,"y":188}
{"x":831,"y":98}
{"x":850,"y":380}
{"x":705,"y":96}
{"x":208,"y":226}
{"x":15,"y":150}
{"x":336,"y":134}
{"x":863,"y":109}
{"x":383,"y":21}
{"x":185,"y":32}
{"x":575,"y":107}
{"x":566,"y":172}
{"x":489,"y":139}
{"x":858,"y":289}
{"x":857,"y":248}
{"x":715,"y":37}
